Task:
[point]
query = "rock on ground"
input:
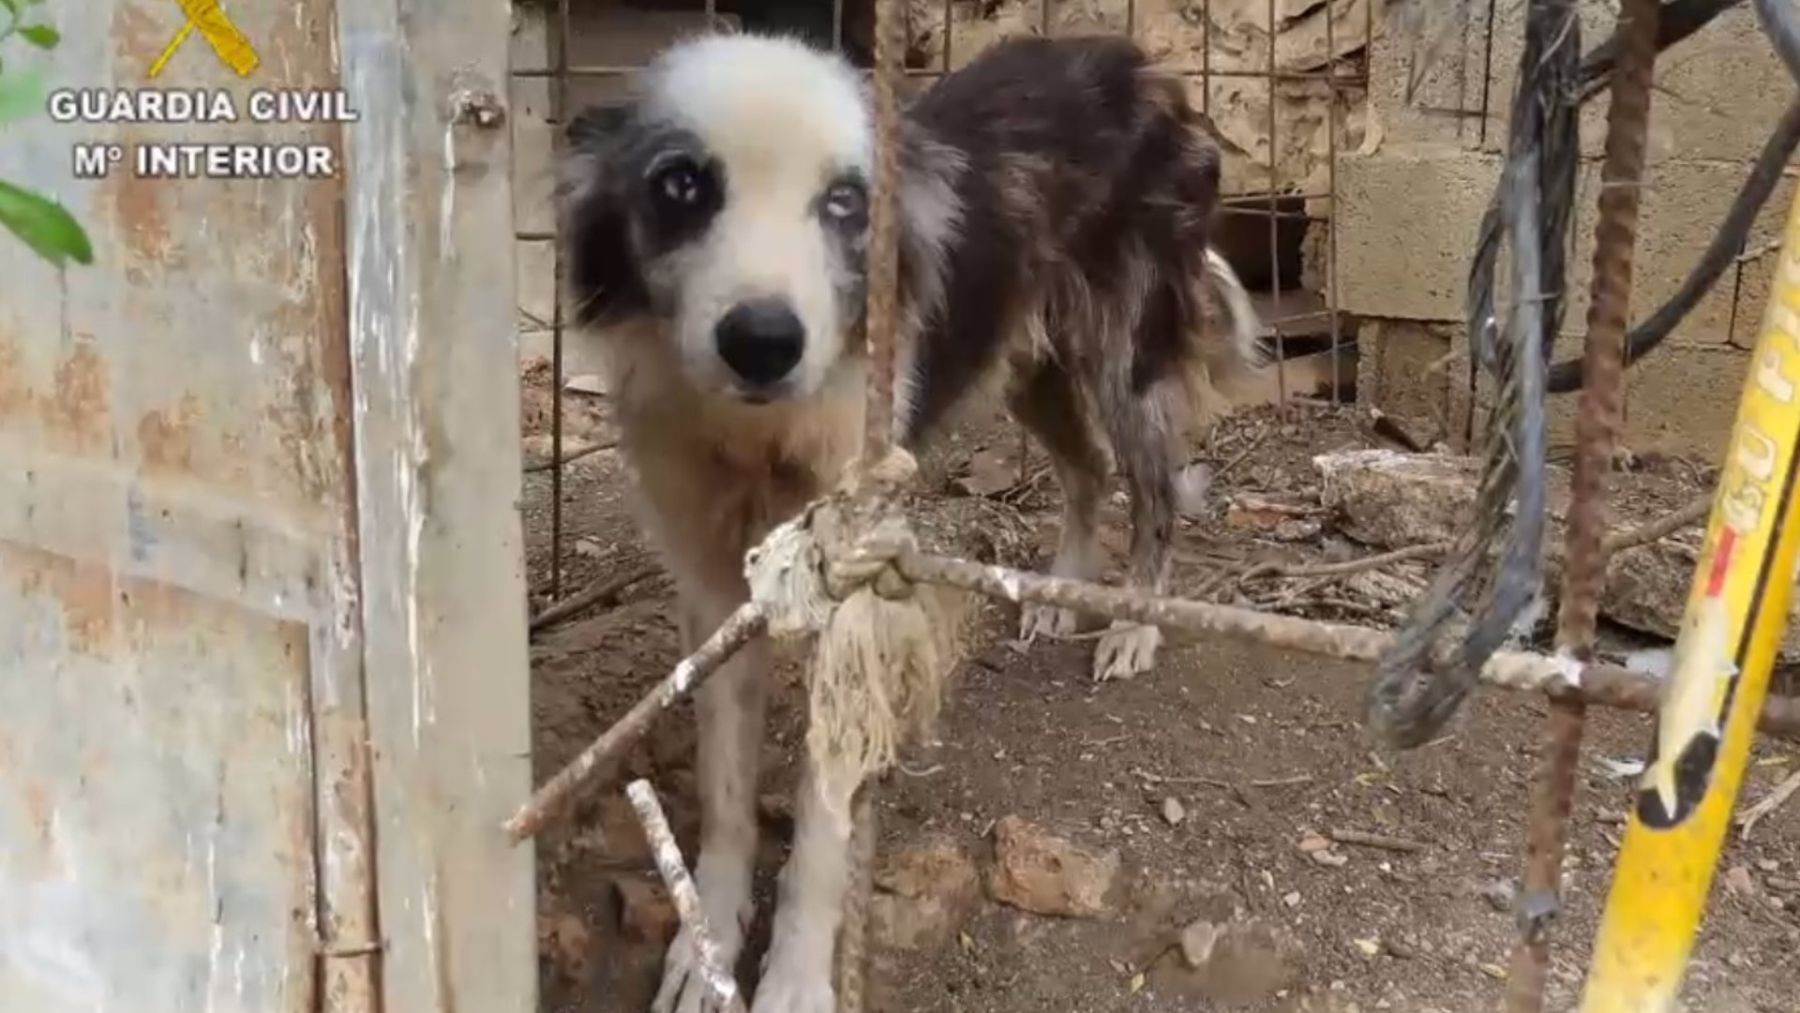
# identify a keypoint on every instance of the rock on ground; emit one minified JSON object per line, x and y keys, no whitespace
{"x":1388,"y":499}
{"x":923,"y":894}
{"x":1039,"y":872}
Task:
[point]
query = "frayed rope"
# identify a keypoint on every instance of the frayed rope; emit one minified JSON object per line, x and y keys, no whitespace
{"x":885,"y":646}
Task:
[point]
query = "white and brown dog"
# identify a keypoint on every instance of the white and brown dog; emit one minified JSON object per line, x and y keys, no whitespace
{"x":1056,"y":202}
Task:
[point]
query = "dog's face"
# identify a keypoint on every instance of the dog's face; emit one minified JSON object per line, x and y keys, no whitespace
{"x":730,"y":200}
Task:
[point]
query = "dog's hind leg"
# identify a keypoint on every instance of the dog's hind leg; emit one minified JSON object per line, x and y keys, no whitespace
{"x":731,"y":708}
{"x":1046,"y":402}
{"x":1142,"y":394}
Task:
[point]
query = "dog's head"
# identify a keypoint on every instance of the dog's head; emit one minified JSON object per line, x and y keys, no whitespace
{"x":729,"y":200}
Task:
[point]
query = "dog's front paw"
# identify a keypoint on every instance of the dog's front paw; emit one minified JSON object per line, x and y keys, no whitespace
{"x":1047,"y":621}
{"x":683,"y":989}
{"x":1125,"y":650}
{"x":796,"y":987}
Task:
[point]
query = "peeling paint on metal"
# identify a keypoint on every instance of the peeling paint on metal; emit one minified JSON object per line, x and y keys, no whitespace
{"x":447,"y":202}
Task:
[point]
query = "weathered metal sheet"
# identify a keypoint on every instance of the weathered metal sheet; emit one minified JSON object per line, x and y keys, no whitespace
{"x":179,"y":636}
{"x":224,"y":451}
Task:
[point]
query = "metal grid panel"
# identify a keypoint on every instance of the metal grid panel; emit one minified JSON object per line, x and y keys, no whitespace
{"x":1337,"y":77}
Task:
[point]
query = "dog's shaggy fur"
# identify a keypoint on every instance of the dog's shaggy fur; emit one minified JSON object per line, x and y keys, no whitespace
{"x":1055,"y":207}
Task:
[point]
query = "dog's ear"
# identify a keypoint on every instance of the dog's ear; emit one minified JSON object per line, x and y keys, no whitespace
{"x":602,"y":271}
{"x":598,"y":126}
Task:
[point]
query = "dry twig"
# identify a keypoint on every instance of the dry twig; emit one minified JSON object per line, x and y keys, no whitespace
{"x":603,"y":590}
{"x":1693,"y":512}
{"x":1378,"y":841}
{"x":1749,"y":818}
{"x":571,"y":457}
{"x":711,"y":967}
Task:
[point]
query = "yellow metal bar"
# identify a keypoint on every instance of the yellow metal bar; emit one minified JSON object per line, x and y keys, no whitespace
{"x":1736,"y":615}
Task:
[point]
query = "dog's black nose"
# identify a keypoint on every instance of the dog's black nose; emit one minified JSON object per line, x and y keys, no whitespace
{"x":761,"y":340}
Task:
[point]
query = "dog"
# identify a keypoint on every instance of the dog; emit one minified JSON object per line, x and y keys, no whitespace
{"x":1055,"y":201}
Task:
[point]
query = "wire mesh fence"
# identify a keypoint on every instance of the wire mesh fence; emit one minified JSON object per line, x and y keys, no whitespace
{"x":1272,"y":223}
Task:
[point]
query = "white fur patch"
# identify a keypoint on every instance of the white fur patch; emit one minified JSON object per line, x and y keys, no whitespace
{"x":782,"y":121}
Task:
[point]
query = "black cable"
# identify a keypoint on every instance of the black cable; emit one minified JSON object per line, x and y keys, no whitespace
{"x":1681,"y":18}
{"x":1782,"y":25}
{"x":1726,"y":245}
{"x":1678,"y":19}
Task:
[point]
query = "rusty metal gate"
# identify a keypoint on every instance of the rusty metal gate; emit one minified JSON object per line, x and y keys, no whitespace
{"x":262,"y":640}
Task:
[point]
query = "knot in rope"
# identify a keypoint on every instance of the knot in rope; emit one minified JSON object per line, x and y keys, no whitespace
{"x":847,"y":541}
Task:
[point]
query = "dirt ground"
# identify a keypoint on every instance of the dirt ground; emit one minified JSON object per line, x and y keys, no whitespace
{"x":1219,"y":782}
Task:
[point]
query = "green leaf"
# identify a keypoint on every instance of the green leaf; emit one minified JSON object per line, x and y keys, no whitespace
{"x":21,"y":95}
{"x":12,"y":6}
{"x":41,"y":36}
{"x":44,"y":226}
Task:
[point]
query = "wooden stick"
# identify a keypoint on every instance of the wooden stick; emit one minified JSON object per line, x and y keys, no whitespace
{"x":570,"y":457}
{"x":1399,"y":844}
{"x":739,"y":629}
{"x":708,"y":963}
{"x":600,"y":590}
{"x":1608,"y":685}
{"x":1693,"y":512}
{"x":1750,"y":817}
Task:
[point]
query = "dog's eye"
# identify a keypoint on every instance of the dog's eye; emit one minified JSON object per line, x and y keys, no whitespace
{"x":681,"y":184}
{"x":846,"y":202}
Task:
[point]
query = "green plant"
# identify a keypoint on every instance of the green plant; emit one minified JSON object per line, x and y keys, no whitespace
{"x":40,"y":222}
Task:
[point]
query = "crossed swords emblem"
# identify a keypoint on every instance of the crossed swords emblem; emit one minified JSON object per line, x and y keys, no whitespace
{"x":214,"y":25}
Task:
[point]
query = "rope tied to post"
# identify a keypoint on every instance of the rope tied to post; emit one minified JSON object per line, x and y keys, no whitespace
{"x":884,"y":645}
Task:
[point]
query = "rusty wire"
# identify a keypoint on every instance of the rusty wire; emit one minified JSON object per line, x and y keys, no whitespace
{"x":1596,"y":428}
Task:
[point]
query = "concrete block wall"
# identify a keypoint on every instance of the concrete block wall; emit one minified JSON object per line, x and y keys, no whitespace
{"x":1410,"y":202}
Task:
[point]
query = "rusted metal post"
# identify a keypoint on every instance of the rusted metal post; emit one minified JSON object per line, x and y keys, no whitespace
{"x":1596,"y":426}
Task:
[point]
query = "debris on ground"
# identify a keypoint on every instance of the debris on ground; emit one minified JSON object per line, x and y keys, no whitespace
{"x":923,"y":894}
{"x":1037,"y":871}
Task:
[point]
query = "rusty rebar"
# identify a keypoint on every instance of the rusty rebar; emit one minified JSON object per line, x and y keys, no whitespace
{"x":853,"y":934}
{"x":882,"y":318}
{"x":1596,"y":426}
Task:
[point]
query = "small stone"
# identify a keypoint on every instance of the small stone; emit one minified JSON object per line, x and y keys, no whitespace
{"x":1494,"y":971}
{"x":1498,"y":893}
{"x":646,"y":914}
{"x":1313,"y":843}
{"x":1369,"y":947}
{"x":1197,"y":941}
{"x":923,"y":893}
{"x":1291,"y":898}
{"x":1768,"y":864}
{"x":1739,"y":881}
{"x":1039,"y":872}
{"x":1173,"y":812}
{"x":1331,"y":859}
{"x":566,"y":939}
{"x":585,"y":383}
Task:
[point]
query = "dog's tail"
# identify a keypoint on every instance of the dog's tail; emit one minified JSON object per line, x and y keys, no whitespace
{"x":1226,"y":344}
{"x":1241,"y":347}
